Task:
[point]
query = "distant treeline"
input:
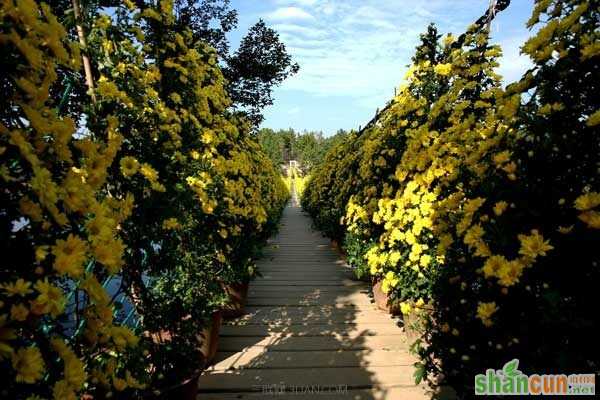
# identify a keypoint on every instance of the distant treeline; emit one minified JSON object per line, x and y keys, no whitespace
{"x":308,"y":148}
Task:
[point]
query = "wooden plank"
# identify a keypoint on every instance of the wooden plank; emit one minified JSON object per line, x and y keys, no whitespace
{"x":299,"y":259}
{"x":357,"y":377}
{"x":326,"y":293}
{"x":298,"y":277}
{"x":259,"y":359}
{"x":314,"y":317}
{"x":307,"y":270}
{"x":307,"y":393}
{"x":321,"y":309}
{"x":286,"y":266}
{"x":313,"y":283}
{"x":304,"y":265}
{"x":326,"y":245}
{"x":309,"y":303}
{"x":292,"y":289}
{"x":307,"y":300}
{"x":301,"y":253}
{"x":350,"y":329}
{"x":324,"y":306}
{"x":323,"y":320}
{"x":314,"y":343}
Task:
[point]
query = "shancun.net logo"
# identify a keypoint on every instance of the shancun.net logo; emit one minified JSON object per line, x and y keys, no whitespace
{"x":510,"y":381}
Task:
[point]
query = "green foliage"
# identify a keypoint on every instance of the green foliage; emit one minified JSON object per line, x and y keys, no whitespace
{"x":308,"y":148}
{"x":355,"y":248}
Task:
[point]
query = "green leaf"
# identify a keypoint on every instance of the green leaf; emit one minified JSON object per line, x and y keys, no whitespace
{"x":510,"y":368}
{"x":419,"y":373}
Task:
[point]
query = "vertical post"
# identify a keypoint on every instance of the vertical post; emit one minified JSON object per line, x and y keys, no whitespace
{"x":491,"y":14}
{"x":87,"y":67}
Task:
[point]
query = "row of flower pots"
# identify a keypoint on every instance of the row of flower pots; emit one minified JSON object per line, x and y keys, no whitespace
{"x":382,"y":300}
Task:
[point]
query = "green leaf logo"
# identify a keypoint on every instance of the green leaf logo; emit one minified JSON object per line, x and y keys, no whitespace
{"x":510,"y":368}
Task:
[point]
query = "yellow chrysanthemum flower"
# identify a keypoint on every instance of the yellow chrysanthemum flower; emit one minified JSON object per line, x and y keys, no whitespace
{"x":28,"y":364}
{"x":591,"y":218}
{"x":129,"y":166}
{"x":63,"y":391}
{"x":593,"y":119}
{"x":587,"y":201}
{"x":110,"y":254}
{"x":171,"y":224}
{"x":494,"y":264}
{"x":19,"y":288}
{"x":70,"y":255}
{"x":149,"y":173}
{"x":443,"y":69}
{"x":534,"y":245}
{"x":500,"y":207}
{"x":123,"y":337}
{"x":389,"y":281}
{"x":405,"y":308}
{"x":49,"y":301}
{"x":485,"y":312}
{"x":510,"y":273}
{"x":19,"y":312}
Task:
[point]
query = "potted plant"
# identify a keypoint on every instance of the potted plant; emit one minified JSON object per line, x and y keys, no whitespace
{"x":354,"y":250}
{"x":235,"y":286}
{"x":209,"y":337}
{"x":237,"y":295}
{"x":181,"y":311}
{"x":175,"y":369}
{"x":383,"y":300}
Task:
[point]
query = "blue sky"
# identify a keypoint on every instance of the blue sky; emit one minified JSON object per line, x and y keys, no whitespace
{"x":352,"y":53}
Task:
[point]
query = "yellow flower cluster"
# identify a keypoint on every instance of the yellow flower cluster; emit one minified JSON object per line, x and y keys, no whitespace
{"x":588,"y":204}
{"x":72,"y":185}
{"x":69,"y":223}
{"x":485,"y":312}
{"x":29,"y":364}
{"x":429,"y":181}
{"x":443,"y":69}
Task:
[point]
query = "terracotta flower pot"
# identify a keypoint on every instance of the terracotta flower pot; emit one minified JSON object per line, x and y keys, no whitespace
{"x":383,"y":300}
{"x":238,"y":296}
{"x":411,"y":322}
{"x":187,"y":390}
{"x":210,"y":338}
{"x":414,"y":321}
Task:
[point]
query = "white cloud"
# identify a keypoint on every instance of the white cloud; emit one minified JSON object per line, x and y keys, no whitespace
{"x":304,"y":3}
{"x":294,"y":110}
{"x":355,"y":51}
{"x":358,"y":50}
{"x":293,"y":30}
{"x":289,"y":13}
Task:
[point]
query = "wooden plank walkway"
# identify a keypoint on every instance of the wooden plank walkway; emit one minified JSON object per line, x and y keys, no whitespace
{"x":310,"y":331}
